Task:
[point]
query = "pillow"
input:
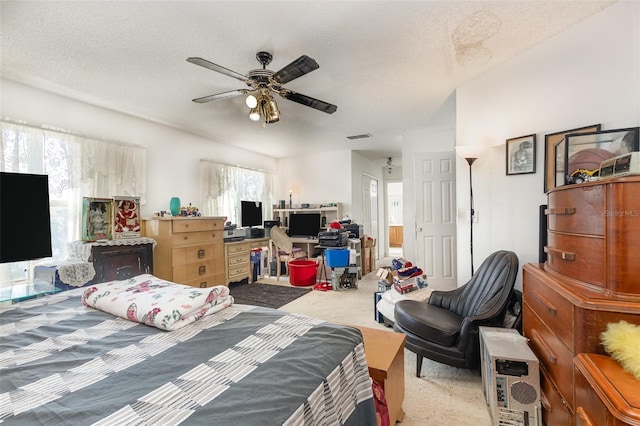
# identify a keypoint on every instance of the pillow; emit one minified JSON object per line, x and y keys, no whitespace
{"x":621,"y":340}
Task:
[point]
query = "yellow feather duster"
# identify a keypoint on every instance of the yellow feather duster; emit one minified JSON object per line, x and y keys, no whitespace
{"x":621,"y":340}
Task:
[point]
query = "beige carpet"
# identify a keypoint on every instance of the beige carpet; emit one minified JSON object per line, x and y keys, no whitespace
{"x":443,"y":395}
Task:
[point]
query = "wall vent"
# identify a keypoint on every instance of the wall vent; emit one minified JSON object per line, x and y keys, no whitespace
{"x":362,"y":136}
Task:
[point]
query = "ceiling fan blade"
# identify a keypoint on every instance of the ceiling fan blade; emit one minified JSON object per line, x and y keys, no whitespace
{"x":222,"y":95}
{"x":309,"y":101}
{"x":218,"y":68}
{"x":301,"y":66}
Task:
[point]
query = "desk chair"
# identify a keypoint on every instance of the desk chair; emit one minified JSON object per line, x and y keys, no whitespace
{"x":282,"y":249}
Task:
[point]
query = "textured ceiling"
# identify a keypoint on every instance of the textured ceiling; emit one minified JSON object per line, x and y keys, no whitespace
{"x":387,"y":65}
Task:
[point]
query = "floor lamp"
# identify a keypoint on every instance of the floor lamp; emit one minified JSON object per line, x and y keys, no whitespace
{"x":470,"y":153}
{"x":470,"y":160}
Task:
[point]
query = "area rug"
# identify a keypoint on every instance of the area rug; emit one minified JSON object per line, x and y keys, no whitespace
{"x":267,"y":295}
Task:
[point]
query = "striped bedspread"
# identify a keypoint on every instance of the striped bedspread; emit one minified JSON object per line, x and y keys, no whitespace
{"x":64,"y":363}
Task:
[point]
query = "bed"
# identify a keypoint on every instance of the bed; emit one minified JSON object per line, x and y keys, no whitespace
{"x":62,"y":362}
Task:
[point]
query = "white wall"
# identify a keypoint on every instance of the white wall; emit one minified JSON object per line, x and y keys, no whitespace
{"x":172,"y":155}
{"x":361,"y":166}
{"x":316,"y":178}
{"x":586,"y":75}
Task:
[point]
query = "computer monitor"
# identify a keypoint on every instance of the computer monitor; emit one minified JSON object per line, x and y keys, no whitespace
{"x":25,"y":218}
{"x":304,"y":224}
{"x":250,"y":213}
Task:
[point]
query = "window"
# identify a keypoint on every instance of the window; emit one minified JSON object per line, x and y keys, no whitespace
{"x":224,"y":186}
{"x":77,"y":167}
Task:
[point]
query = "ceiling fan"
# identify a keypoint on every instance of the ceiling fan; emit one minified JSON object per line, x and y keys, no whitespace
{"x":262,"y":82}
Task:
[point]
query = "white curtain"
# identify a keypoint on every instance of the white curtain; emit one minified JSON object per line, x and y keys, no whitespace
{"x":77,"y":167}
{"x":223,"y":187}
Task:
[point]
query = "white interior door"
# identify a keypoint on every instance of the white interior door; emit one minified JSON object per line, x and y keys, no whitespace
{"x":436,"y":217}
{"x":370,"y":209}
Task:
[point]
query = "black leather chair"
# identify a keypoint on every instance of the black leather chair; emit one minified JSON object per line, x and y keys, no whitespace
{"x":445,"y":327}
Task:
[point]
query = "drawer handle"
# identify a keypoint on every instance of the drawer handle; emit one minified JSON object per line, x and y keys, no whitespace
{"x":560,"y":212}
{"x":548,"y":305}
{"x":584,"y":417}
{"x":201,"y":253}
{"x":564,"y":255}
{"x":202,"y":270}
{"x":186,"y":225}
{"x":549,"y":354}
{"x":185,"y":238}
{"x":203,"y":284}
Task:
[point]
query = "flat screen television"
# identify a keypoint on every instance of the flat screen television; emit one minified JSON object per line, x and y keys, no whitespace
{"x":250,"y":213}
{"x":304,"y":224}
{"x":25,"y":219}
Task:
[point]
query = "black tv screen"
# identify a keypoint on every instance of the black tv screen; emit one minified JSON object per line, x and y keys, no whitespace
{"x":250,"y":213}
{"x":25,"y":219}
{"x":304,"y":224}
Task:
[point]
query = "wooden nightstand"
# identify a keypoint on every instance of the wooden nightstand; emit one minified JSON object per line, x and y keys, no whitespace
{"x":385,"y":356}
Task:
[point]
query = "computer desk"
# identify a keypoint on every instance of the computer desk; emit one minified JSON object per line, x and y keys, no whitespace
{"x":307,"y":244}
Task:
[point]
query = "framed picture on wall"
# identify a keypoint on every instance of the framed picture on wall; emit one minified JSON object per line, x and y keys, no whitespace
{"x":554,"y":155}
{"x":521,"y":155}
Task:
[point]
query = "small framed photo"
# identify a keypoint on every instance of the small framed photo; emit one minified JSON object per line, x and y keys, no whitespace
{"x":584,"y":152}
{"x":126,"y":217}
{"x":97,"y":216}
{"x":521,"y":155}
{"x":554,"y":155}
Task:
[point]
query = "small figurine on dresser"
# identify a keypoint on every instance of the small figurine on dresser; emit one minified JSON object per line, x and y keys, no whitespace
{"x":126,"y":217}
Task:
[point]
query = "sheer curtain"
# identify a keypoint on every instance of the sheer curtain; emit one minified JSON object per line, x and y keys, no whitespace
{"x":223,"y":187}
{"x":77,"y":167}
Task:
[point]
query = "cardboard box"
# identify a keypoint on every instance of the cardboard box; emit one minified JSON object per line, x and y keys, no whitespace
{"x":386,"y":274}
{"x":366,"y":260}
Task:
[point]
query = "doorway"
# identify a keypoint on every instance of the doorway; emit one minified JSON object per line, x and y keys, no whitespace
{"x":394,"y":219}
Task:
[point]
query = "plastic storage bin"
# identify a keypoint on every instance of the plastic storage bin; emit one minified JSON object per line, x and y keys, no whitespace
{"x":337,"y":258}
{"x":302,"y":272}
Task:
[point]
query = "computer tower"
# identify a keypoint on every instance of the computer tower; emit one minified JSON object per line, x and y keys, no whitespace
{"x":511,"y":377}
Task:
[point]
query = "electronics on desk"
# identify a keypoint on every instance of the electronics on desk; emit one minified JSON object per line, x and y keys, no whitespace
{"x":333,"y":238}
{"x":623,"y":165}
{"x":355,"y":230}
{"x":254,"y":232}
{"x":231,"y":232}
{"x":268,"y":224}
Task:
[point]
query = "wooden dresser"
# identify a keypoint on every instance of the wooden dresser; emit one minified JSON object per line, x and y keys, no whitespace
{"x":590,"y":279}
{"x":606,"y":394}
{"x":190,"y":250}
{"x":237,"y":255}
{"x":237,"y":261}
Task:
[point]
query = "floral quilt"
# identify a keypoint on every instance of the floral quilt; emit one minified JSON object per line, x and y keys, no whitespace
{"x":158,"y":303}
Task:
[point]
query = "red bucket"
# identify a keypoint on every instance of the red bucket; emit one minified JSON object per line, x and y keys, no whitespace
{"x":302,"y":272}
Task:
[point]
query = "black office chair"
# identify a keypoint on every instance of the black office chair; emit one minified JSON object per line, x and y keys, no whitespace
{"x":444,"y":328}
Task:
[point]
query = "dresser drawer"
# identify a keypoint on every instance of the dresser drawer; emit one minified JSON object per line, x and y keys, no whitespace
{"x":238,"y":271}
{"x":208,"y":281}
{"x":553,"y":309}
{"x":193,"y":271}
{"x":236,"y":260}
{"x":235,"y":248}
{"x":198,"y":253}
{"x":555,"y":410}
{"x":577,"y":210}
{"x":578,"y":257}
{"x":196,"y":225}
{"x":196,"y":238}
{"x":590,"y":411}
{"x":552,"y":353}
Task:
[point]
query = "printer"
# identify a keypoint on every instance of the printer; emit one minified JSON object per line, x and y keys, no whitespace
{"x":333,"y":238}
{"x":355,"y":230}
{"x":231,"y":232}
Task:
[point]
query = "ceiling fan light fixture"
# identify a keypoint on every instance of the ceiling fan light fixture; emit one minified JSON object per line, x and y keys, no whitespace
{"x":254,"y":114}
{"x":251,"y":101}
{"x":271,"y":111}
